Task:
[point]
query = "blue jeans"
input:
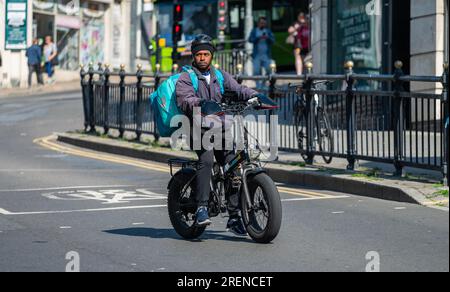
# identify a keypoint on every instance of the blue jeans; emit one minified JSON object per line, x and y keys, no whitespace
{"x":49,"y":69}
{"x":259,"y":62}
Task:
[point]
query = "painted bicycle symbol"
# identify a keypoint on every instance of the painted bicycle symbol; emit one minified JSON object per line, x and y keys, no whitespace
{"x":105,"y":196}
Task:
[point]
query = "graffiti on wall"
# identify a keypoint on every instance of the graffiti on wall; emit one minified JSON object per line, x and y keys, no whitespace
{"x":92,"y":41}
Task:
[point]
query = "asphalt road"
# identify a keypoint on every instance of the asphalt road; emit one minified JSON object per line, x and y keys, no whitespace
{"x":112,"y":216}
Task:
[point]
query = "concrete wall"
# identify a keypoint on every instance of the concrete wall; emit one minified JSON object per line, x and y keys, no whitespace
{"x":427,"y":49}
{"x":427,"y":41}
{"x":319,"y":35}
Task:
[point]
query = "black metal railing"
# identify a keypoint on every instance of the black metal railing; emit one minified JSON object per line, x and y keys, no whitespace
{"x":389,"y":125}
{"x":230,"y":60}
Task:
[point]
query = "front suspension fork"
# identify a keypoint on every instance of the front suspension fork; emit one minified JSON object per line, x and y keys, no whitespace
{"x":245,"y":188}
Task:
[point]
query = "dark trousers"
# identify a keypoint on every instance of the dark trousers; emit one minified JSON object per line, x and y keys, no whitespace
{"x":34,"y":68}
{"x":204,"y":175}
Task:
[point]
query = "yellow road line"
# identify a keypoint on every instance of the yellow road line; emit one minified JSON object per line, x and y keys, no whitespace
{"x":302,"y":192}
{"x":44,"y":142}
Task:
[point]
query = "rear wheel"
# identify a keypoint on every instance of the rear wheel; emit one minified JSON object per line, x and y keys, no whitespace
{"x":326,"y":141}
{"x":263,"y":222}
{"x":182,"y":207}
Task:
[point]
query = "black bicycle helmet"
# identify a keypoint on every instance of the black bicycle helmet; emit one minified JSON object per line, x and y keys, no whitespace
{"x":203,"y":42}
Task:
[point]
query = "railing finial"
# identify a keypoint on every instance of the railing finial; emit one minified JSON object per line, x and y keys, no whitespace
{"x":349,"y":65}
{"x":309,"y":66}
{"x":240,"y":67}
{"x":273,"y":67}
{"x":398,"y":64}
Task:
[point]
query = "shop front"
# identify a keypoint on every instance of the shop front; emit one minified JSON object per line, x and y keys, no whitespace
{"x":77,"y":27}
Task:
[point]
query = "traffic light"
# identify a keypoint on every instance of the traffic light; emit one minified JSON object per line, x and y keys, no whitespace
{"x":177,"y":23}
{"x":178,"y":13}
{"x":222,"y":17}
{"x":177,"y":31}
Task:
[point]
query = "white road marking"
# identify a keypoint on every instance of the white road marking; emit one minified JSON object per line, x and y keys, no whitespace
{"x":400,"y":208}
{"x":5,"y":212}
{"x":138,"y":223}
{"x":340,"y":212}
{"x":315,"y":199}
{"x":119,"y":197}
{"x":64,"y":188}
{"x":65,"y":227}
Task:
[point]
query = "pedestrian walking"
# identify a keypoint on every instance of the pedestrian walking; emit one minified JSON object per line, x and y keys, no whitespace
{"x":34,"y":55}
{"x":262,"y":39}
{"x":50,"y":57}
{"x":300,"y":34}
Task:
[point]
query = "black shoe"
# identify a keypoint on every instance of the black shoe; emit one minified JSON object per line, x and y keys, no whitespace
{"x":236,"y":226}
{"x":202,"y":217}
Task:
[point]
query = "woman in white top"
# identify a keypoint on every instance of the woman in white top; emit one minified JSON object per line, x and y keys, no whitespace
{"x":50,"y":53}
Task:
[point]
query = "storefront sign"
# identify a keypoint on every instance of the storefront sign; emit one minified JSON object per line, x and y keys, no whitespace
{"x":43,"y":5}
{"x":71,"y":7}
{"x":16,"y":25}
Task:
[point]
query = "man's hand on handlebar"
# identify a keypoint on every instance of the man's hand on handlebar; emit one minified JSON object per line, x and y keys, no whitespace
{"x":253,"y":101}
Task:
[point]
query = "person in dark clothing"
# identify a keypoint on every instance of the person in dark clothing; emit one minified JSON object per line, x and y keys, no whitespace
{"x":187,"y":98}
{"x":34,"y":55}
{"x":262,"y":39}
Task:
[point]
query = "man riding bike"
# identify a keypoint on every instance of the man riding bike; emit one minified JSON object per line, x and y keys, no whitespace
{"x":209,"y":89}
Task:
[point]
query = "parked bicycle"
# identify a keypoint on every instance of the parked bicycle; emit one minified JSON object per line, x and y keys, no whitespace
{"x":259,"y":198}
{"x":313,"y":121}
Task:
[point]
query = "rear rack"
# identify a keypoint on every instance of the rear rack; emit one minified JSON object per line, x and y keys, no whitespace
{"x":181,"y":163}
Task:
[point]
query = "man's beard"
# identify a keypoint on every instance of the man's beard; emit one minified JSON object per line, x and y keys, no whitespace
{"x":203,"y":66}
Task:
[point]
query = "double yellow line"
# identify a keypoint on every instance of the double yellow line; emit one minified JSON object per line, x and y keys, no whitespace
{"x":302,"y":193}
{"x":47,"y":142}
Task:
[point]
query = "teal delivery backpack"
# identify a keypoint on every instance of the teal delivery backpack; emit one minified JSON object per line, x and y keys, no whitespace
{"x":164,"y":100}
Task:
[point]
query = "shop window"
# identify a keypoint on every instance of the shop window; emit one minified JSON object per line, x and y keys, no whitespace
{"x":357,"y":36}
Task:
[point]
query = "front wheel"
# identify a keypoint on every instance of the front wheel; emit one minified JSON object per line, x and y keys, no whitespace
{"x":263,"y":221}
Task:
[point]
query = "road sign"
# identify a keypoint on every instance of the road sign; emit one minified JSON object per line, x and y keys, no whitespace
{"x":16,"y":25}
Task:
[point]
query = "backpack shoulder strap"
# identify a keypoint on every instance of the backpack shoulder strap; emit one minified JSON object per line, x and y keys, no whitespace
{"x":221,"y":79}
{"x":193,"y":76}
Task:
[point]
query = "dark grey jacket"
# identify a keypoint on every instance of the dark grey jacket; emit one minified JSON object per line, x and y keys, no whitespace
{"x":187,"y":98}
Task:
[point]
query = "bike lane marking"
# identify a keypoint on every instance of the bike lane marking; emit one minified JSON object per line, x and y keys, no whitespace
{"x":63,"y":188}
